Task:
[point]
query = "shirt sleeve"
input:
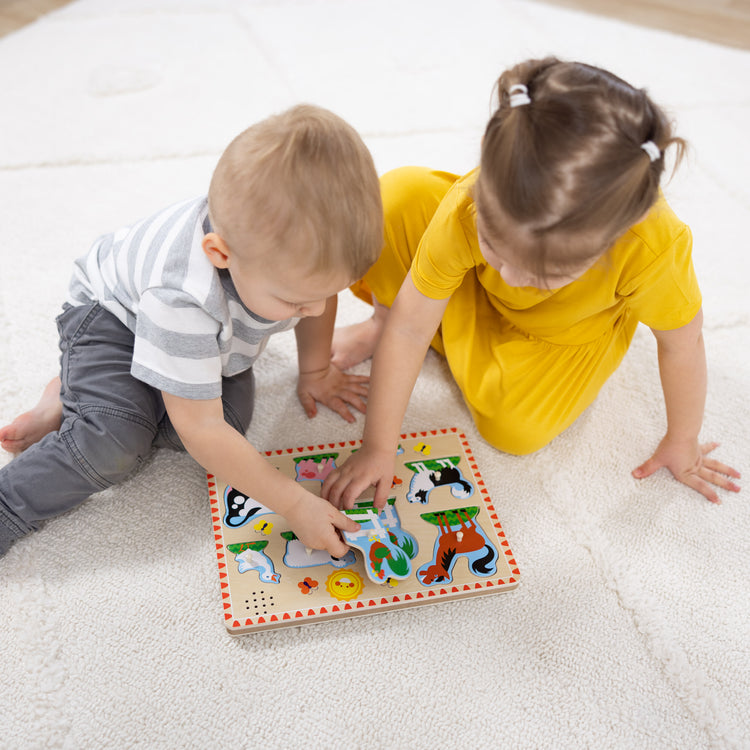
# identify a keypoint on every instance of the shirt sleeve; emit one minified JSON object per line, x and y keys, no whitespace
{"x":177,"y":345}
{"x":665,"y":294}
{"x":445,"y":252}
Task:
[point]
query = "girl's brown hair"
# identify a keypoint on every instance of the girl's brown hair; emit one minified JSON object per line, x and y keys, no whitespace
{"x":570,"y":162}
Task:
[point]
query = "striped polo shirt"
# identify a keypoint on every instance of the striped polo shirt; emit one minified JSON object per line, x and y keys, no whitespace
{"x":190,"y":326}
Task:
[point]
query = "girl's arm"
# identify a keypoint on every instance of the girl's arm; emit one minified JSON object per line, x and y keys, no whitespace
{"x":682,"y":367}
{"x":408,"y":331}
{"x":319,"y":379}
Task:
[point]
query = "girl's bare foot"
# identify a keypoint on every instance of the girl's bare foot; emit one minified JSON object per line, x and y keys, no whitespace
{"x":356,"y":343}
{"x":31,"y":426}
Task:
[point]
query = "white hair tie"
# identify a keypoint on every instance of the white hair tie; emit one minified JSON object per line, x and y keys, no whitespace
{"x":651,"y":149}
{"x":519,"y":95}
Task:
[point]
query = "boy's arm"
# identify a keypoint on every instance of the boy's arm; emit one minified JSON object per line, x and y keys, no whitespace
{"x":222,"y":451}
{"x":408,"y":331}
{"x":682,"y":368}
{"x":319,"y":379}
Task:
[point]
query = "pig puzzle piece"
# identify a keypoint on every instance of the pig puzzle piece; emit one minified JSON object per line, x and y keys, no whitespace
{"x":387,"y":549}
{"x":315,"y":468}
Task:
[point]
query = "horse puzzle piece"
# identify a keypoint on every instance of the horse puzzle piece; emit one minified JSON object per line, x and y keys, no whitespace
{"x":437,"y":472}
{"x":240,"y":508}
{"x":388,"y":550}
{"x":250,"y":556}
{"x":458,"y":534}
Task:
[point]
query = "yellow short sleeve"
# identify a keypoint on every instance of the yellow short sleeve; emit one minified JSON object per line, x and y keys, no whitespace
{"x":446,"y":251}
{"x":664,"y":294}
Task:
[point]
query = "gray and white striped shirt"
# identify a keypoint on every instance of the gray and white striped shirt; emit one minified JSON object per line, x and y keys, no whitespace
{"x":190,"y":326}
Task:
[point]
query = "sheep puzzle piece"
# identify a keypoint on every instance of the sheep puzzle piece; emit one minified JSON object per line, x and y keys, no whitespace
{"x":438,"y":538}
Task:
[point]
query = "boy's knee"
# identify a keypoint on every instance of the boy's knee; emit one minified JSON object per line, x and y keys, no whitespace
{"x":109,"y":444}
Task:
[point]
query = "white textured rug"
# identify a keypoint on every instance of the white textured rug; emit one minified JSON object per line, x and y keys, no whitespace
{"x":631,"y":628}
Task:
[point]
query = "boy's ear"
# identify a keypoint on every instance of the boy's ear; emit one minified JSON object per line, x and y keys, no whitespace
{"x":216,"y":250}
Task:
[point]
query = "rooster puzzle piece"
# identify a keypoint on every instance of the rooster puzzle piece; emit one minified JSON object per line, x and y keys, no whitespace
{"x":388,"y":549}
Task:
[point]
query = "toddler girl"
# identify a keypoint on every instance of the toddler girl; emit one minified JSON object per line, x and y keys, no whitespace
{"x":530,"y":275}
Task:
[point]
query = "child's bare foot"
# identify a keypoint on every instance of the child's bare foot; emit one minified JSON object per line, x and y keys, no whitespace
{"x":356,"y":343}
{"x":31,"y":426}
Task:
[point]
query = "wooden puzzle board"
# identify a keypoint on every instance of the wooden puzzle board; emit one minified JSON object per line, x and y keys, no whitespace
{"x":439,"y":538}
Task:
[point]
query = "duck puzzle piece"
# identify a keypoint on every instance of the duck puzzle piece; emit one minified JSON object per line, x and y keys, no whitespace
{"x":437,"y":472}
{"x":458,"y":534}
{"x":388,"y":550}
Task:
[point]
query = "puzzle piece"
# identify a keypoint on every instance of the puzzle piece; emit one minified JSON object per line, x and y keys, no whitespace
{"x":458,"y":534}
{"x":296,"y":555}
{"x":250,"y":556}
{"x":437,"y":472}
{"x":387,"y":549}
{"x":240,"y":508}
{"x":316,"y":467}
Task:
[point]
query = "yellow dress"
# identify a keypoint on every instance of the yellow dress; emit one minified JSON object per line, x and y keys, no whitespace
{"x":528,"y":361}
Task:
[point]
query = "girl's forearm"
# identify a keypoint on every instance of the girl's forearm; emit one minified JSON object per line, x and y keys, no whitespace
{"x":683,"y":372}
{"x":409,"y":329}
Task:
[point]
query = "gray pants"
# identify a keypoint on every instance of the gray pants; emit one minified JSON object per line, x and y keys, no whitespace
{"x":110,"y":423}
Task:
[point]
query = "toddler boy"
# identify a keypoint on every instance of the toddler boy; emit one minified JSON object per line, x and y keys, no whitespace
{"x":165,"y":319}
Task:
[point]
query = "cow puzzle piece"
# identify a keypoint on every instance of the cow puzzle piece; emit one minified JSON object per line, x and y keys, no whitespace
{"x":437,"y":472}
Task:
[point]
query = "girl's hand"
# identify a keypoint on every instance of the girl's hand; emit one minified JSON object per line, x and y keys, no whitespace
{"x":317,"y":523}
{"x":335,"y":389}
{"x":362,"y":469}
{"x":689,"y":463}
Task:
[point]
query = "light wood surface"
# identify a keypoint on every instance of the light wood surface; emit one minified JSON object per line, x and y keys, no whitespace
{"x":15,"y":14}
{"x":722,"y":21}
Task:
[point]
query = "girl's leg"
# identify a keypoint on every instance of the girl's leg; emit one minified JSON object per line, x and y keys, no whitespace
{"x":411,"y":196}
{"x":522,"y":392}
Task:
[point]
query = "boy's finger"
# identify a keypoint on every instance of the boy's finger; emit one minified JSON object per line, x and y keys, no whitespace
{"x":381,"y":495}
{"x":357,"y":403}
{"x":308,"y":404}
{"x":346,"y":524}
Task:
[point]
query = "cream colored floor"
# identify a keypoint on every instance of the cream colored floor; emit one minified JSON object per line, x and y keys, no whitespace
{"x":723,"y":21}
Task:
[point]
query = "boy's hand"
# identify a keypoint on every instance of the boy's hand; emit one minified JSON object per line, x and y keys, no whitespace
{"x":689,"y":463}
{"x":316,"y":523}
{"x":335,"y":389}
{"x":362,"y":469}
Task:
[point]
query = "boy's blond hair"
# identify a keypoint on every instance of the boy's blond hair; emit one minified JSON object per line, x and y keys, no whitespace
{"x":301,"y":188}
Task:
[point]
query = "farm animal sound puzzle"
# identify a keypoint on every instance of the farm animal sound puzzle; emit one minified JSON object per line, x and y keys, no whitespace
{"x":438,"y":538}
